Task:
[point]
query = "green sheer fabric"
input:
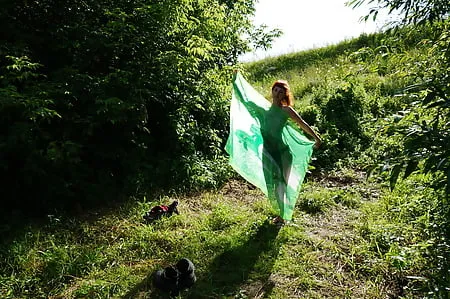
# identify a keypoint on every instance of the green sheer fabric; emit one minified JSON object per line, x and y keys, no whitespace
{"x":266,"y":148}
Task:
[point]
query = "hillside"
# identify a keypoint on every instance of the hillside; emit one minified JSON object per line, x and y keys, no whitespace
{"x":363,"y":227}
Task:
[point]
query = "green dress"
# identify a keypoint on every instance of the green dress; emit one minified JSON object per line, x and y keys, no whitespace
{"x":276,"y":158}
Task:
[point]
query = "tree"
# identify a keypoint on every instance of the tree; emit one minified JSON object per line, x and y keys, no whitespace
{"x":432,"y":130}
{"x":410,"y":12}
{"x":426,"y":131}
{"x":100,"y":98}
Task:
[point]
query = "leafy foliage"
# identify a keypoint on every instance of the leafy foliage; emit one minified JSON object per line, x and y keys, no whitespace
{"x":383,"y":108}
{"x":417,"y":12}
{"x":425,"y":129}
{"x":114,"y":96}
{"x":427,"y":133}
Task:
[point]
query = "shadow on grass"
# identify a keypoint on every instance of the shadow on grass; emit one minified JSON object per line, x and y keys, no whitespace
{"x":241,"y":270}
{"x":143,"y":287}
{"x":244,"y":270}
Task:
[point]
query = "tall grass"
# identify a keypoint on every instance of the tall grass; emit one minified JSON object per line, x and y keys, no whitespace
{"x":355,"y":95}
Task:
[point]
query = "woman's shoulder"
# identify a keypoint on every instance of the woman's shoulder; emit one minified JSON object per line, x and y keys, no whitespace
{"x":289,"y":110}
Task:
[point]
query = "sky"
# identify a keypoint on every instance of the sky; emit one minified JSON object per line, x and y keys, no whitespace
{"x":308,"y":24}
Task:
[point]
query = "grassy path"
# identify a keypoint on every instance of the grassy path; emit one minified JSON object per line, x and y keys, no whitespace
{"x":320,"y":256}
{"x":228,"y":235}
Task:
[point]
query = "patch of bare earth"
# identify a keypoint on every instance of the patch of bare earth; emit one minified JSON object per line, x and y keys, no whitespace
{"x":342,"y":269}
{"x":331,"y":237}
{"x":336,"y":264}
{"x":241,"y":192}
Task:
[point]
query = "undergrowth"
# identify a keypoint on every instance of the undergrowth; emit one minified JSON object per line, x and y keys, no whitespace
{"x":353,"y":236}
{"x":346,"y":240}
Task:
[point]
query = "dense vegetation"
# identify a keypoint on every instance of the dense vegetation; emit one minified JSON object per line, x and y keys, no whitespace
{"x":104,"y":99}
{"x":382,"y":105}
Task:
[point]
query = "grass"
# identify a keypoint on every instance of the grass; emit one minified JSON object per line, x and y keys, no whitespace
{"x":238,"y":253}
{"x":351,"y":236}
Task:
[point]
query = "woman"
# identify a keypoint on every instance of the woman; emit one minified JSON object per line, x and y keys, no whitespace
{"x":277,"y":152}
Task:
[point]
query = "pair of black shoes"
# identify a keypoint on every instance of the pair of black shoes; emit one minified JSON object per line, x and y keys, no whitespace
{"x":174,"y":279}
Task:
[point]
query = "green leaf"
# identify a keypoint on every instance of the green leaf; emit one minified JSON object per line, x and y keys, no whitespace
{"x":394,"y":176}
{"x":410,"y":168}
{"x":428,"y":97}
{"x":440,"y":102}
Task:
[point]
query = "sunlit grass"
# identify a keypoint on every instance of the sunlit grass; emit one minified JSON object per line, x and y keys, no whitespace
{"x":331,"y":249}
{"x":351,"y":237}
{"x":229,"y":238}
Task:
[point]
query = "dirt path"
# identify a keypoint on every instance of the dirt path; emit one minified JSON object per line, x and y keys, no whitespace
{"x":331,"y":258}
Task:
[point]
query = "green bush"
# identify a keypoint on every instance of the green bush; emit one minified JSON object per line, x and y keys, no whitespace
{"x":114,"y":97}
{"x":341,"y":114}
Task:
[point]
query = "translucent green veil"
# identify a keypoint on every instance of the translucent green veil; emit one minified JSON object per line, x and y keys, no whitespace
{"x":265,"y":148}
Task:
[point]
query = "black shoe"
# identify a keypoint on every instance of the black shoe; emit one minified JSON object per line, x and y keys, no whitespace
{"x":186,"y":276}
{"x":167,"y":280}
{"x":160,"y":211}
